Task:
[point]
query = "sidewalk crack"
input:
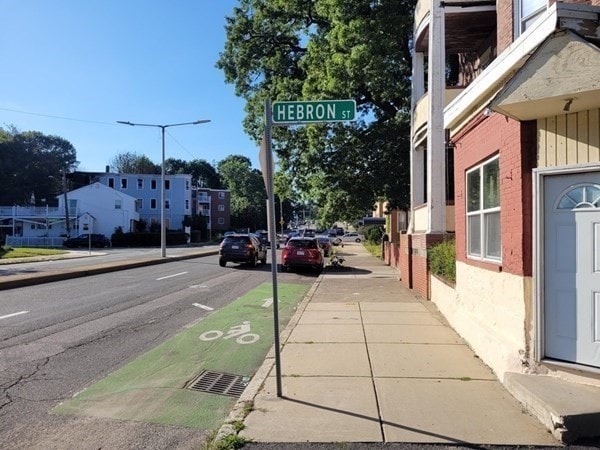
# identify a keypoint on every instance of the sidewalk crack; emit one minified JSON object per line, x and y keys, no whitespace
{"x":378,"y":406}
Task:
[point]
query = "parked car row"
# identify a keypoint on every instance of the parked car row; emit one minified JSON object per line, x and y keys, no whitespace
{"x":301,"y":250}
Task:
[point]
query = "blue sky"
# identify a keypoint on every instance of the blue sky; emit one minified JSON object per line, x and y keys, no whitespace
{"x":99,"y":61}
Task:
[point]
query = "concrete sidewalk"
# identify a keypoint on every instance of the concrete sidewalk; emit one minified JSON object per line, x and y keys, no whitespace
{"x":365,"y":360}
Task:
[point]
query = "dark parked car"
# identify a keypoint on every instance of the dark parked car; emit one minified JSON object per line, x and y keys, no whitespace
{"x":84,"y":240}
{"x":264,"y":237}
{"x":301,"y":252}
{"x":242,"y":248}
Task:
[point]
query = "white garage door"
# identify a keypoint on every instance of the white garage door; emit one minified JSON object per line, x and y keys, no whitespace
{"x":572,"y":268}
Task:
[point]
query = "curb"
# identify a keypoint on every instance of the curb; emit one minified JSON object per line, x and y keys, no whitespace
{"x":243,"y":406}
{"x":95,"y":270}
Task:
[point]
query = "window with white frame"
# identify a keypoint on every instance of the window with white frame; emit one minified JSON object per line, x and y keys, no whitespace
{"x":152,"y":184}
{"x":152,"y":203}
{"x":221,"y":221}
{"x":187,"y":204}
{"x":526,"y":12}
{"x":187,"y":185}
{"x":111,"y":182}
{"x":483,"y":212}
{"x":221,"y":195}
{"x":221,"y":207}
{"x":123,"y":183}
{"x":140,"y":183}
{"x":167,"y":204}
{"x":118,"y":204}
{"x":167,"y":184}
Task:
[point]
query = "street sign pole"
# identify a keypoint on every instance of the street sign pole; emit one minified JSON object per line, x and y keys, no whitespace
{"x":284,"y":114}
{"x":272,"y":237}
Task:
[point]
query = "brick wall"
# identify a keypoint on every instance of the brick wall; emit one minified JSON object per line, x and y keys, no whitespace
{"x":505,"y":27}
{"x":404,"y":260}
{"x":515,"y":142}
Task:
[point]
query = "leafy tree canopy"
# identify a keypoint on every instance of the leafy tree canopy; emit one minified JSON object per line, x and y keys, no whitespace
{"x":202,"y":172}
{"x":131,"y":162}
{"x":330,"y":49}
{"x":248,"y":194}
{"x":32,"y":163}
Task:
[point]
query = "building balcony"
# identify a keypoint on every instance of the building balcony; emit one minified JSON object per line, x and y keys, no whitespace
{"x":421,"y":221}
{"x":203,"y":198}
{"x":420,"y":114}
{"x":467,"y":24}
{"x":32,"y":212}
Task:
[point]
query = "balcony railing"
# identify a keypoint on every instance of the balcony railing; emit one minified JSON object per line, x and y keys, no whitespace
{"x":422,"y":109}
{"x":35,"y":211}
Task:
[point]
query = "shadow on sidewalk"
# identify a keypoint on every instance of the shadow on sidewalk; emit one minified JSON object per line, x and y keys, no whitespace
{"x":385,"y":422}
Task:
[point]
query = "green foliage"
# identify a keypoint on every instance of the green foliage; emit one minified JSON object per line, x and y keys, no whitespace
{"x":442,"y":259}
{"x":141,"y":225}
{"x":32,"y":163}
{"x":248,"y":195}
{"x":131,"y":162}
{"x":374,"y":249}
{"x":374,"y":234}
{"x":229,"y":442}
{"x":202,"y":172}
{"x":7,"y":252}
{"x":334,"y":49}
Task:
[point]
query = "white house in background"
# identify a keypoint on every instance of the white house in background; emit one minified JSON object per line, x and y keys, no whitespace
{"x":94,"y":208}
{"x":101,"y":209}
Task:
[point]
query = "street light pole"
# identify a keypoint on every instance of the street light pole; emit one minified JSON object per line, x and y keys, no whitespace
{"x":163,"y":232}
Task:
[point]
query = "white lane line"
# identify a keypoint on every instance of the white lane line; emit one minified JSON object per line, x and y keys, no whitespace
{"x":268,"y":302}
{"x":14,"y":314}
{"x":198,"y":305}
{"x":171,"y":276}
{"x":196,"y":286}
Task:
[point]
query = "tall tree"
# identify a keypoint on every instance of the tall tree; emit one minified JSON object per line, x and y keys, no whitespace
{"x":203,"y":173}
{"x":330,"y":49}
{"x":31,"y":166}
{"x":248,"y":194}
{"x":131,"y":162}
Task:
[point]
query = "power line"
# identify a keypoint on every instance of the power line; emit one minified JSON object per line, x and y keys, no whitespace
{"x":56,"y":117}
{"x":89,"y":121}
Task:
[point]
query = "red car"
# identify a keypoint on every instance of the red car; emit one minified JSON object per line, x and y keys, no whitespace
{"x":302,"y":252}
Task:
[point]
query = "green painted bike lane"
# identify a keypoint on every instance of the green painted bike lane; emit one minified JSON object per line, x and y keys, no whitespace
{"x":153,"y":387}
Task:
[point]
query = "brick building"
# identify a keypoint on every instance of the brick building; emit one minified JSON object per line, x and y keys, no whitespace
{"x":505,"y":158}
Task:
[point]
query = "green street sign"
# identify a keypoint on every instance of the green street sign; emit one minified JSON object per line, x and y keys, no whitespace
{"x":313,"y":112}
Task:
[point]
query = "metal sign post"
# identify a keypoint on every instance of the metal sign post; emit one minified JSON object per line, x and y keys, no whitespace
{"x":291,"y":113}
{"x":267,"y":156}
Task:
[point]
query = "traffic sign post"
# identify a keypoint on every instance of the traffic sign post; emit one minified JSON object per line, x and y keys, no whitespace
{"x":283,"y":114}
{"x":290,"y":113}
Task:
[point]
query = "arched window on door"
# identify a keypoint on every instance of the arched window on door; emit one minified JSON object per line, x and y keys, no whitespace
{"x":579,"y":196}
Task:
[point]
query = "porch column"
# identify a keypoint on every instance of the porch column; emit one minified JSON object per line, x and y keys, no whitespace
{"x":436,"y":161}
{"x":417,"y":165}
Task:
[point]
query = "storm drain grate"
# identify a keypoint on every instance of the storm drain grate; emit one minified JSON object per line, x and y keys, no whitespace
{"x":220,"y":383}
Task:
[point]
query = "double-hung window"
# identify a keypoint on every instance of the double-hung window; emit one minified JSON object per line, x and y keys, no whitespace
{"x":483,"y":212}
{"x":526,"y":12}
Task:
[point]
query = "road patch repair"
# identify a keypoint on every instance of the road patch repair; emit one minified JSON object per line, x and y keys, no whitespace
{"x":220,"y":354}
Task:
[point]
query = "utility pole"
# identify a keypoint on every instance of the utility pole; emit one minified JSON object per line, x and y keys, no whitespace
{"x":64,"y":184}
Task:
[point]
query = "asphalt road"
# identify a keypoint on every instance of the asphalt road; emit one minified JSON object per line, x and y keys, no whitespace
{"x":58,"y":338}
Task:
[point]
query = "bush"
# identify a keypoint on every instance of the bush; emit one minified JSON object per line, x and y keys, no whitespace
{"x":374,"y":234}
{"x":442,"y":259}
